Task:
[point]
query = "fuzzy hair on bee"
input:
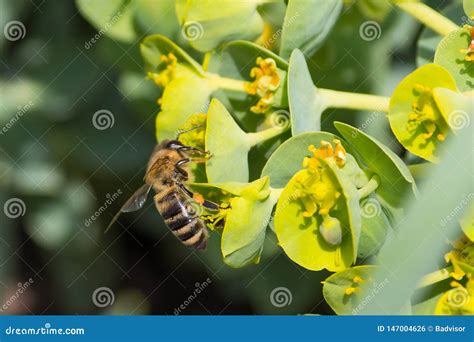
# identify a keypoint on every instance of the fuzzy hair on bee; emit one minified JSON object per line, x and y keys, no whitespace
{"x":166,"y":174}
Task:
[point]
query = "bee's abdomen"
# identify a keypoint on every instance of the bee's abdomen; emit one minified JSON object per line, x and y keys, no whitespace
{"x":184,"y":223}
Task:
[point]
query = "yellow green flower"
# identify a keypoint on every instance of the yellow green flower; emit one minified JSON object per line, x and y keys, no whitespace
{"x":266,"y":81}
{"x":469,"y":52}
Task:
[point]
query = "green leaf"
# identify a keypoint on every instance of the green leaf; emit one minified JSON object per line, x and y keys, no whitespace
{"x":208,"y":25}
{"x":429,"y":76}
{"x":307,"y":24}
{"x":335,"y":286}
{"x":306,"y":106}
{"x":375,"y":227}
{"x":396,"y":180}
{"x":184,"y":96}
{"x":469,"y":8}
{"x":156,"y":45}
{"x":299,"y":236}
{"x":115,"y":17}
{"x":467,"y":223}
{"x":374,"y":9}
{"x":288,"y":157}
{"x":154,"y":16}
{"x":449,"y":55}
{"x":245,"y":227}
{"x":228,"y":145}
{"x":457,"y":109}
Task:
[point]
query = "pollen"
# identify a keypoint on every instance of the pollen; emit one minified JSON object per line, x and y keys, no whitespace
{"x":469,"y":52}
{"x":357,"y":280}
{"x":350,"y":290}
{"x":425,"y":119}
{"x":266,"y":81}
{"x":198,"y":198}
{"x":165,"y":76}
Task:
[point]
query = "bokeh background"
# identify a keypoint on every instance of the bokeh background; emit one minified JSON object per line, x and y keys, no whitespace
{"x":60,"y":168}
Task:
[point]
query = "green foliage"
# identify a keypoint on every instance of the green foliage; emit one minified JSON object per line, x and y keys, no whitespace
{"x":307,"y":24}
{"x":450,"y":55}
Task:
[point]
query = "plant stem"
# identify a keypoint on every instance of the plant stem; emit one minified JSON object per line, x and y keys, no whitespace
{"x":370,"y":187}
{"x":342,"y":99}
{"x":259,"y":137}
{"x":435,"y":277}
{"x":226,"y":83}
{"x":429,"y":17}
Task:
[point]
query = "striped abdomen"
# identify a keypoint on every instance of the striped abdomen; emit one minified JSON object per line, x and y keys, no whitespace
{"x":181,"y":215}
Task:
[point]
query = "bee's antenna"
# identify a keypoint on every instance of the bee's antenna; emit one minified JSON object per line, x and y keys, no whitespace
{"x":187,"y":130}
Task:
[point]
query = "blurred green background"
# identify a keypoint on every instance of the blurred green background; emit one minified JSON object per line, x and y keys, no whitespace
{"x":62,"y":170}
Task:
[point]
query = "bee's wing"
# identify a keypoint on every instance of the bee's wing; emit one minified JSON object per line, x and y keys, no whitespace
{"x":135,"y":202}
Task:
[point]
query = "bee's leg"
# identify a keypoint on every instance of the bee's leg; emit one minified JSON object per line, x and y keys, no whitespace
{"x":193,"y":149}
{"x":189,"y":160}
{"x":205,"y":203}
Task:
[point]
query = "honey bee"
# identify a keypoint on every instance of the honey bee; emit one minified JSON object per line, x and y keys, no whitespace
{"x":167,"y":174}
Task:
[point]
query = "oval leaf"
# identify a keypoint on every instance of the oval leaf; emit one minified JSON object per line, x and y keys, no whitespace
{"x":307,"y":24}
{"x":306,"y":106}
